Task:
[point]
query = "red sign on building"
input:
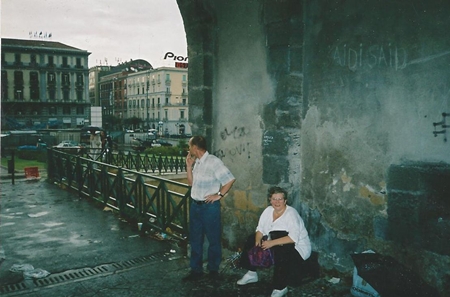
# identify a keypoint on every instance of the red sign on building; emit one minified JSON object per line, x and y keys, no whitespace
{"x":181,"y":65}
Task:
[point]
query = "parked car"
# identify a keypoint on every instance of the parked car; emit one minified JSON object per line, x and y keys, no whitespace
{"x":29,"y":148}
{"x":162,"y":143}
{"x":140,"y":145}
{"x":70,"y":146}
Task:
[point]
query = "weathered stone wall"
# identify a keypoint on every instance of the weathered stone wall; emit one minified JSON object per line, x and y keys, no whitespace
{"x":333,"y":100}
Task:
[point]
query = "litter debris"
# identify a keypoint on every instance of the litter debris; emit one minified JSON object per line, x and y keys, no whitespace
{"x":21,"y":267}
{"x":158,"y":236}
{"x":106,"y":208}
{"x":387,"y":277}
{"x":233,"y":261}
{"x":36,"y":273}
{"x":334,"y":280}
{"x":2,"y":254}
{"x":173,"y":251}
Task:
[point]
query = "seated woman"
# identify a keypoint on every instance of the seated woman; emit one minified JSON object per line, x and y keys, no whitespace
{"x":287,"y":238}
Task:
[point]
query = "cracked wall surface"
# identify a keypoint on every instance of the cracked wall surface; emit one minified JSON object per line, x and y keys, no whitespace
{"x":326,"y":100}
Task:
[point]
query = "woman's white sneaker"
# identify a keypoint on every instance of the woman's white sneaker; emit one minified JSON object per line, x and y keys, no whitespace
{"x":248,"y":278}
{"x":279,"y":293}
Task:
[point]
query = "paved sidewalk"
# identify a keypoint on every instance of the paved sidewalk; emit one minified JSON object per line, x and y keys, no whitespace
{"x":91,"y":251}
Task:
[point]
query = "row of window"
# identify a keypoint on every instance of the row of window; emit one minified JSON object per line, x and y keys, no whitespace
{"x":52,"y":110}
{"x":50,"y":59}
{"x":34,"y":86}
{"x":135,"y":103}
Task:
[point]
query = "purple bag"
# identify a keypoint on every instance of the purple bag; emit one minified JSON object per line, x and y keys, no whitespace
{"x":260,"y":258}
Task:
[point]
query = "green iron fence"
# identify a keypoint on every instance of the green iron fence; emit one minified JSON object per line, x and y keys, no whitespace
{"x":138,"y":196}
{"x":136,"y":161}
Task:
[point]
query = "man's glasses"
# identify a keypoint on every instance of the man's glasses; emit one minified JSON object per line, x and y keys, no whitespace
{"x":276,"y":199}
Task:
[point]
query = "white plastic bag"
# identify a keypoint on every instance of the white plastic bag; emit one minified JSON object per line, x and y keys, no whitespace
{"x":361,"y":288}
{"x":36,"y":273}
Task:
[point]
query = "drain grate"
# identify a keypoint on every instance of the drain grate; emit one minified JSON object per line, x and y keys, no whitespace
{"x":82,"y":274}
{"x":72,"y":275}
{"x":13,"y":288}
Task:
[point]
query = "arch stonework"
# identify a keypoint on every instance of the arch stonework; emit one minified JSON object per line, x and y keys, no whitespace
{"x":314,"y":97}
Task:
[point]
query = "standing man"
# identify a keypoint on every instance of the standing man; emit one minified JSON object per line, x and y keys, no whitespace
{"x":210,"y":180}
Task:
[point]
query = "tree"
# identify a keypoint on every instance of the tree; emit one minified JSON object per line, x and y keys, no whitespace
{"x":112,"y":122}
{"x":132,"y":122}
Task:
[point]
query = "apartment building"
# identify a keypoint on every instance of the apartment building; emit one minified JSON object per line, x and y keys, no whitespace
{"x":44,"y":84}
{"x":160,"y":98}
{"x":112,"y":90}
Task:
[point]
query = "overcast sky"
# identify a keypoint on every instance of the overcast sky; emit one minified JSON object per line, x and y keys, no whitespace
{"x":112,"y":30}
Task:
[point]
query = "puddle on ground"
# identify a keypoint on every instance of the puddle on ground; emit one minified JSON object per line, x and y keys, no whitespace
{"x":6,"y":224}
{"x":36,"y":215}
{"x":52,"y":224}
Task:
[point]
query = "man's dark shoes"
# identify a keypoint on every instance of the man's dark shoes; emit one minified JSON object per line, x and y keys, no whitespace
{"x":192,"y":276}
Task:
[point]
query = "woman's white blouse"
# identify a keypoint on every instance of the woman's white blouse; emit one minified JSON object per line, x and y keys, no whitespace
{"x":289,"y":221}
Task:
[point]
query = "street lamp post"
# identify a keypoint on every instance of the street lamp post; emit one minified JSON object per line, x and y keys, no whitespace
{"x":160,"y":124}
{"x":147,"y":102}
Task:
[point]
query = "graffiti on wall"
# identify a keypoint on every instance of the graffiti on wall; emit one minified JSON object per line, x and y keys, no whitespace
{"x":241,"y":149}
{"x":236,"y":133}
{"x":377,"y":55}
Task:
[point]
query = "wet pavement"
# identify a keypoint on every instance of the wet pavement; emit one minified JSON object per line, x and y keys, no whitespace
{"x":90,"y":251}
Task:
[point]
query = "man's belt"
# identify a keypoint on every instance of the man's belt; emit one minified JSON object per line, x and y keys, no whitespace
{"x":199,"y":202}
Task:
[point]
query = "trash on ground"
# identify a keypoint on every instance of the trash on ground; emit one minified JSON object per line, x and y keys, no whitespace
{"x":36,"y":273}
{"x":388,"y":277}
{"x":233,"y":261}
{"x":21,"y":267}
{"x":2,"y":254}
{"x":106,"y":208}
{"x":334,"y":280}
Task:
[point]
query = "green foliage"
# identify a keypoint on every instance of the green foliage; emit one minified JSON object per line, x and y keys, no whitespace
{"x":40,"y":155}
{"x":132,"y":122}
{"x":183,"y":144}
{"x":165,"y":151}
{"x":20,"y":164}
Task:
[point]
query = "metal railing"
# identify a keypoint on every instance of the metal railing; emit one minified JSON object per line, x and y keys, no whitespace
{"x":138,"y":197}
{"x":136,"y":161}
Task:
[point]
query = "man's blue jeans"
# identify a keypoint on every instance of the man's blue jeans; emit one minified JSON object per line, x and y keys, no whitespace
{"x":205,"y":219}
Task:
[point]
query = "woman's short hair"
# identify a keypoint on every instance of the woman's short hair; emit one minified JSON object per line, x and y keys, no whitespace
{"x":277,"y":190}
{"x":199,"y":141}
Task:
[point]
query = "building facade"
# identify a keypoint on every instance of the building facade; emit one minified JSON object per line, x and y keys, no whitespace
{"x":44,"y":84}
{"x":112,"y":90}
{"x":133,"y":95}
{"x":160,"y":98}
{"x":94,"y":92}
